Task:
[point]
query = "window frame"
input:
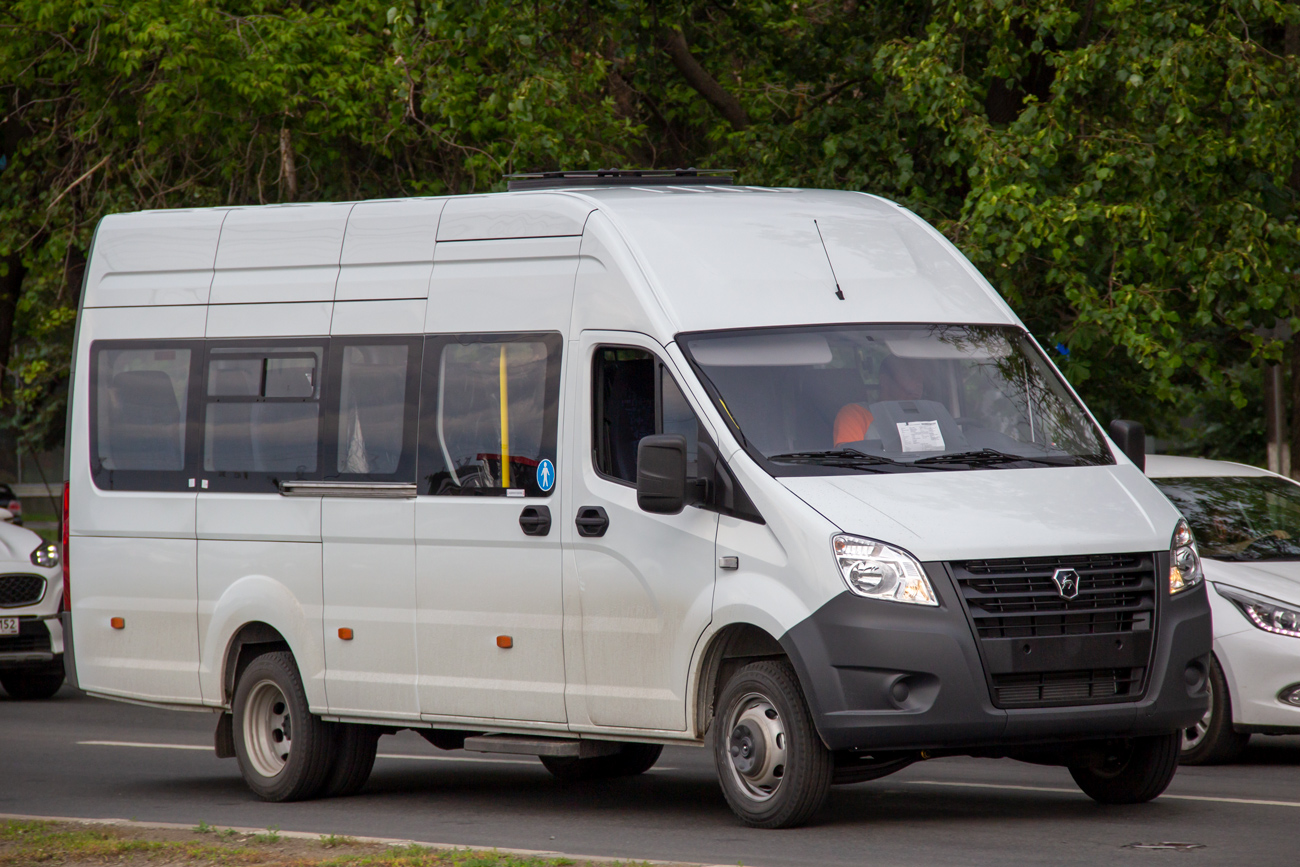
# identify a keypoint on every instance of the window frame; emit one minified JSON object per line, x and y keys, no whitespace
{"x":222,"y":481}
{"x":427,"y":443}
{"x":161,"y":481}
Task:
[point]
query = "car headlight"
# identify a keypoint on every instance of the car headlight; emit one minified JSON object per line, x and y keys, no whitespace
{"x":1184,"y":560}
{"x":879,"y":571}
{"x":46,"y":555}
{"x":1267,"y":614}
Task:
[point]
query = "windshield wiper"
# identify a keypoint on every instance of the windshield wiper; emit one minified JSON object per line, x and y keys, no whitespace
{"x":985,"y":458}
{"x":848,"y":458}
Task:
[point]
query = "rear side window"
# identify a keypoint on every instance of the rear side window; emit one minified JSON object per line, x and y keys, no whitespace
{"x":262,"y":415}
{"x":141,"y":404}
{"x":489,"y":415}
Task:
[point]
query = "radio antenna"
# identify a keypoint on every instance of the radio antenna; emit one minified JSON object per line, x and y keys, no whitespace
{"x":839,"y":293}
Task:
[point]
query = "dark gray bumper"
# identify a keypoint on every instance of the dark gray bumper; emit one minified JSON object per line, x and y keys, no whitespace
{"x":882,"y":675}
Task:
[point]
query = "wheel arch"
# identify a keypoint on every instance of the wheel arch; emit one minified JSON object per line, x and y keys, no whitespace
{"x":727,"y":650}
{"x":247,"y":643}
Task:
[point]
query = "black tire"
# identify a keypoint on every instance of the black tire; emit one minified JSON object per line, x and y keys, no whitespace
{"x":632,"y":759}
{"x":32,"y":685}
{"x":774,"y":769}
{"x":1212,"y":740}
{"x":285,"y":753}
{"x":1132,"y":771}
{"x":354,"y":758}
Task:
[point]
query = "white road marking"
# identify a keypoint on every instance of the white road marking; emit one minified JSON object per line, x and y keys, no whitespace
{"x":1213,"y":799}
{"x":144,"y":746}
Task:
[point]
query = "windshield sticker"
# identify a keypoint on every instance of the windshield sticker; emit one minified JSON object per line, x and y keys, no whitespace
{"x":920,"y":436}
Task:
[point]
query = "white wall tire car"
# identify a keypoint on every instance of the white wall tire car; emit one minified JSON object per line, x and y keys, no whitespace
{"x":774,"y":769}
{"x":285,"y":753}
{"x":1212,"y":741}
{"x":1131,"y":771}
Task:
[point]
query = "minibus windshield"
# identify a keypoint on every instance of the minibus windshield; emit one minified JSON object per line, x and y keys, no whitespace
{"x":894,"y":398}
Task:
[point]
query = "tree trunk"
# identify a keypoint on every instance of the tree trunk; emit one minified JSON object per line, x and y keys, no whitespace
{"x":704,"y":84}
{"x":1279,"y":449}
{"x":11,"y":284}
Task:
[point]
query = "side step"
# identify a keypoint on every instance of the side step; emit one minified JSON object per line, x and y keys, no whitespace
{"x":524,"y":746}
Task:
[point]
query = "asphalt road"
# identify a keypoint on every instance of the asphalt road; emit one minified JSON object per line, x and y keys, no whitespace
{"x":79,"y":757}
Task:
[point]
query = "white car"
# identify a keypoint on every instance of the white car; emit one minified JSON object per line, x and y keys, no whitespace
{"x":1247,"y":526}
{"x":31,"y":595}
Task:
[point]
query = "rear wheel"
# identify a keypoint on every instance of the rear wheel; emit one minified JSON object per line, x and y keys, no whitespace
{"x":632,"y":759}
{"x":354,"y":758}
{"x":29,"y":685}
{"x":1131,"y":771}
{"x":285,"y":753}
{"x":774,"y":770}
{"x":1212,"y":741}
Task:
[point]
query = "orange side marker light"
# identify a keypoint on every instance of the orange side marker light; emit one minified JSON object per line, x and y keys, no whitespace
{"x":345,"y":633}
{"x":117,"y":623}
{"x":505,"y":642}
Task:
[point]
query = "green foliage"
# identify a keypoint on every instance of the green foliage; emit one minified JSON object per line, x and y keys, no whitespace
{"x":1124,"y":173}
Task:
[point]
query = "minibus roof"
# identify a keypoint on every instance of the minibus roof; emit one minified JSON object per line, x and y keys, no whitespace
{"x":742,"y":257}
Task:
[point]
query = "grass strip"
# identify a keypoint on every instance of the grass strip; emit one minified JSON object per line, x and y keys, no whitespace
{"x":26,"y":843}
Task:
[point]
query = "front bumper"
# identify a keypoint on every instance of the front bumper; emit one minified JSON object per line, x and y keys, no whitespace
{"x":886,"y":676}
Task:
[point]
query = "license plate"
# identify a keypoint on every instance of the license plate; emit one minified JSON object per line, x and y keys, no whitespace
{"x":8,"y":625}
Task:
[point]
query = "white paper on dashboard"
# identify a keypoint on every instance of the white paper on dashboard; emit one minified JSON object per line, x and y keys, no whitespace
{"x":920,"y":436}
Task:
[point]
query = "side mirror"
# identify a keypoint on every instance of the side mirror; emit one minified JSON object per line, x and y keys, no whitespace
{"x":1131,"y":438}
{"x":661,"y":474}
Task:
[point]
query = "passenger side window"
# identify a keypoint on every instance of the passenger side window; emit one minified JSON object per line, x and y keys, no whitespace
{"x":377,"y":394}
{"x":262,"y":414}
{"x":140,"y":407}
{"x":489,"y":415}
{"x":634,"y":396}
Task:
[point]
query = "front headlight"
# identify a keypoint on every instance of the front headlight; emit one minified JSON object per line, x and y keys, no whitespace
{"x":1267,"y":614}
{"x":1184,"y":560}
{"x":879,"y":571}
{"x":46,"y":555}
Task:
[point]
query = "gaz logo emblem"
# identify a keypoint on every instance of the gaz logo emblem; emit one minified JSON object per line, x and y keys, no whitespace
{"x":1067,"y":583}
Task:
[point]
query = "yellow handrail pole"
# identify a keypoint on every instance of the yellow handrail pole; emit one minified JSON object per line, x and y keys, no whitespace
{"x":505,"y":423}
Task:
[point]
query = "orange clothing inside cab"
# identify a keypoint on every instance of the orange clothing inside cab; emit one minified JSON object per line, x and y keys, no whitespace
{"x":851,"y":424}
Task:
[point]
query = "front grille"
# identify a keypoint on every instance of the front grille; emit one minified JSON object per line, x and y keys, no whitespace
{"x":1045,"y":689}
{"x":19,"y":590}
{"x":1043,"y":650}
{"x":33,"y":636}
{"x":1018,"y":599}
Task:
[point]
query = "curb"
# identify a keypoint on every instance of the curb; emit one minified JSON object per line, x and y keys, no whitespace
{"x":382,"y":841}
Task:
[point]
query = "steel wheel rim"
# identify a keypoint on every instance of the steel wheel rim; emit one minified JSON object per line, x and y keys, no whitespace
{"x":756,"y":747}
{"x":268,"y":728}
{"x":1194,"y":735}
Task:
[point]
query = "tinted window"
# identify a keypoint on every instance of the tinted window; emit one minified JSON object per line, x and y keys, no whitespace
{"x":489,"y":414}
{"x":1239,"y":517}
{"x":376,"y":409}
{"x":634,"y":396}
{"x":262,"y":413}
{"x":140,"y":406}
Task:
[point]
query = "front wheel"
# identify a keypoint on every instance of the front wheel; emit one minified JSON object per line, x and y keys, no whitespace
{"x":285,"y":753}
{"x":1131,"y":771}
{"x":1211,"y":740}
{"x":774,"y":770}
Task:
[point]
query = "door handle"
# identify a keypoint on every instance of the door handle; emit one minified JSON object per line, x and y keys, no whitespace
{"x":535,"y":520}
{"x":592,"y":521}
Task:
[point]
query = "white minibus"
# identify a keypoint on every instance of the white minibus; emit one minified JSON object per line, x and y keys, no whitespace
{"x":609,"y":462}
